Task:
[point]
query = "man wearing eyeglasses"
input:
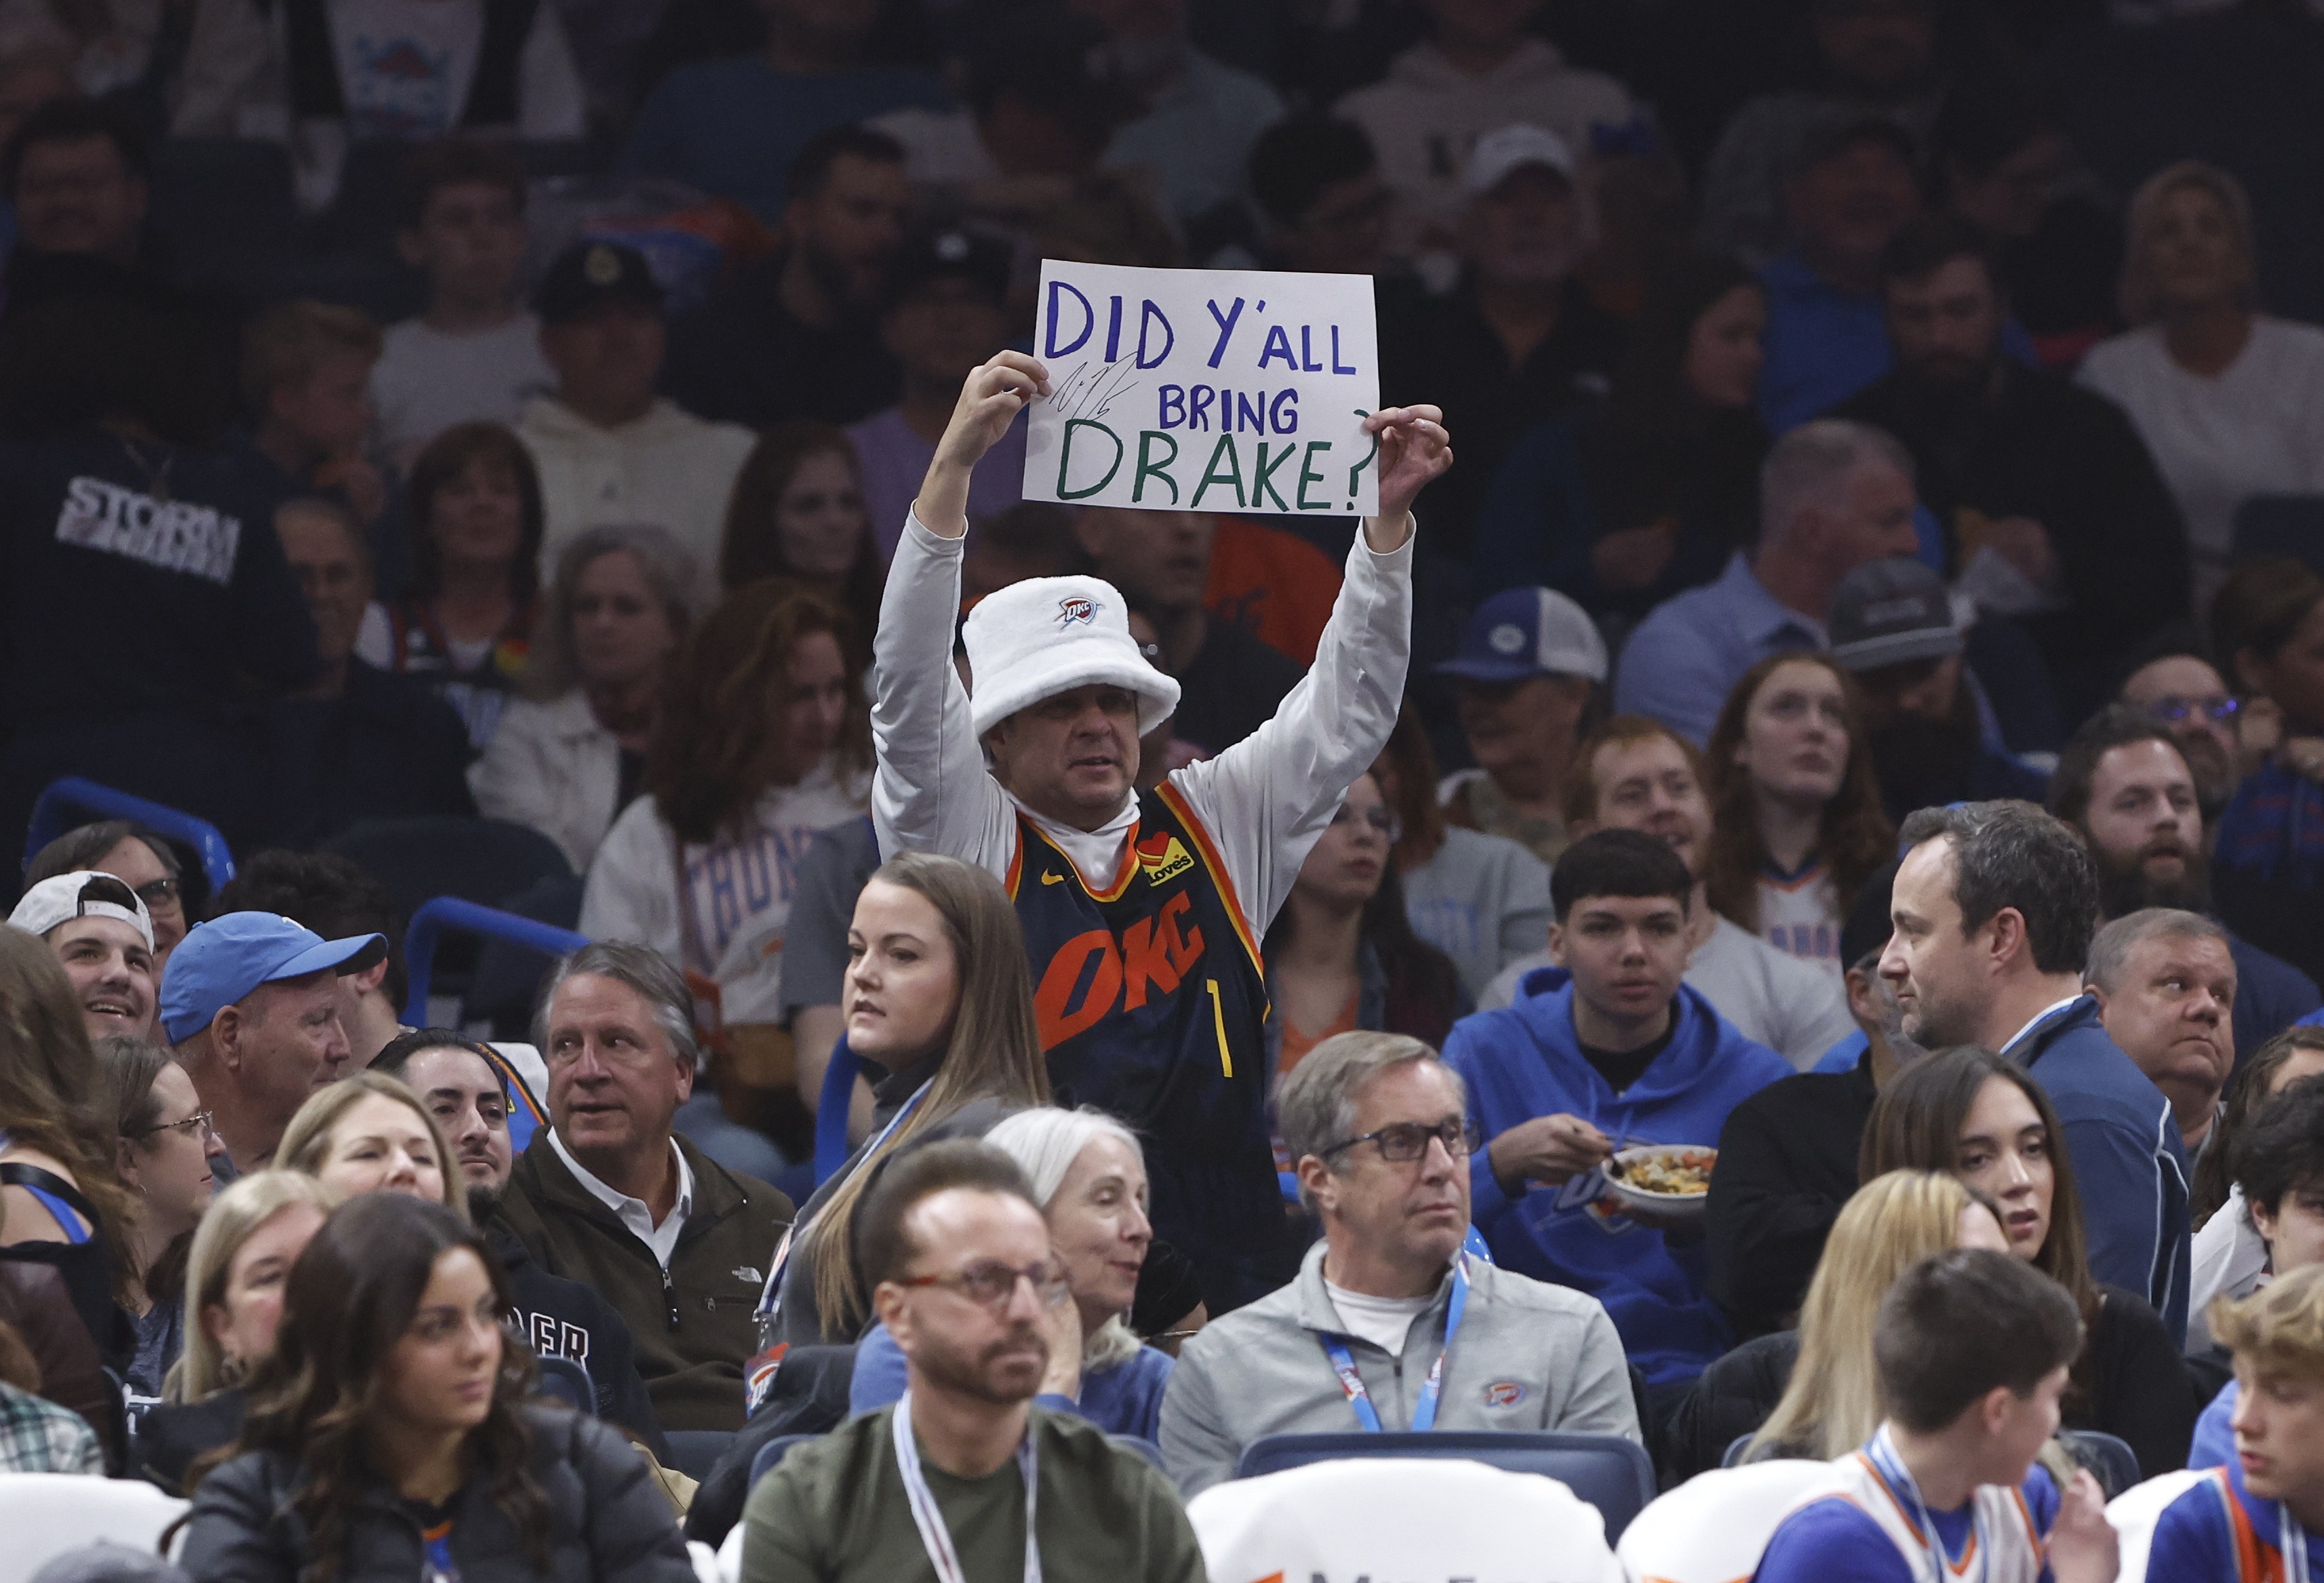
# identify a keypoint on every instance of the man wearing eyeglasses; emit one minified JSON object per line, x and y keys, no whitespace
{"x":139,"y":858}
{"x":1605,"y":1050}
{"x":965,"y":1477}
{"x":1390,"y":1326}
{"x":2187,"y":697}
{"x":2127,"y":785}
{"x":104,"y":939}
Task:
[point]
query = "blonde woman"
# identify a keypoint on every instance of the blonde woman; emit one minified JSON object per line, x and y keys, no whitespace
{"x":371,"y":1133}
{"x":1089,"y":1177}
{"x":2229,"y":399}
{"x":1819,"y":1377}
{"x":243,"y":1251}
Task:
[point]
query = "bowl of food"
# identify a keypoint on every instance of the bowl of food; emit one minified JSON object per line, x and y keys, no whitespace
{"x":1672,"y":1181}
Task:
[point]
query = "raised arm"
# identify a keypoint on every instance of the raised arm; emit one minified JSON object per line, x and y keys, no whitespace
{"x":1267,"y":798}
{"x":932,"y":792}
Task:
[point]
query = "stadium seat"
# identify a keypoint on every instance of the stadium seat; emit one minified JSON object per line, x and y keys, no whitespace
{"x":773,"y":1451}
{"x":483,"y":860}
{"x":1402,"y":1517}
{"x":2106,"y":1456}
{"x":2134,"y":1514}
{"x":45,"y":1515}
{"x":2290,"y":525}
{"x":1713,"y":1528}
{"x":224,"y":204}
{"x":508,"y":973}
{"x":568,"y":1382}
{"x":695,"y":1451}
{"x":1611,"y":1473}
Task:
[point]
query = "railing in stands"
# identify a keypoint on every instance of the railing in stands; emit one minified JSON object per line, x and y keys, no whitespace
{"x":51,"y":819}
{"x":431,"y":918}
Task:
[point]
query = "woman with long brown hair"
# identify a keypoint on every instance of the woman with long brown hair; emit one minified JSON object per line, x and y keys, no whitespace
{"x":1796,"y":822}
{"x":62,"y":1203}
{"x":388,"y":1435}
{"x":1984,"y":1119}
{"x":939,"y":998}
{"x":798,"y":512}
{"x":764,"y":739}
{"x":474,"y":523}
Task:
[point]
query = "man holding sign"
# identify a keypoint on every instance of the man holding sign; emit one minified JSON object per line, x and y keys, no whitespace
{"x":1142,"y":912}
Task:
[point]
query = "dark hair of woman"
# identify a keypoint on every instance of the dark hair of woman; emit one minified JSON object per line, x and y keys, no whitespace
{"x":750,"y":548}
{"x":1916,"y":1126}
{"x":2247,"y":1095}
{"x":1658,"y":449}
{"x":721,"y":743}
{"x":1856,"y":839}
{"x":1424,"y":986}
{"x":1419,"y":816}
{"x":348,"y":1300}
{"x":448,"y":456}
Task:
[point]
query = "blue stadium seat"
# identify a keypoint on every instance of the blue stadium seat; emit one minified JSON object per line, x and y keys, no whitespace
{"x":695,"y":1452}
{"x":2108,"y":1457}
{"x":1609,"y":1472}
{"x":568,"y":1382}
{"x":773,"y":1451}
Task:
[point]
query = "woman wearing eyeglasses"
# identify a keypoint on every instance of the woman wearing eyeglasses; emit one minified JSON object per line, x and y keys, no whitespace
{"x":1342,"y":954}
{"x":164,"y":1147}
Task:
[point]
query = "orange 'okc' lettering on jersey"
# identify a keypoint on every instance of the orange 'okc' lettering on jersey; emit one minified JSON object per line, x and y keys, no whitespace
{"x":1158,"y":952}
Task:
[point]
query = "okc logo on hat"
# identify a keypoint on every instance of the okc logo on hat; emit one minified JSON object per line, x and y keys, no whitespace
{"x":1507,"y":637}
{"x":1076,"y":612}
{"x":602,"y":267}
{"x":1504,"y":1393}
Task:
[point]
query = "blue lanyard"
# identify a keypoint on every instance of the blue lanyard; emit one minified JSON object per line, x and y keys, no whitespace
{"x":1882,"y":1452}
{"x":1423,"y":1413}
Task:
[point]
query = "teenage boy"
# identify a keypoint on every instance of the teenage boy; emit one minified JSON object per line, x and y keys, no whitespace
{"x":1971,"y":1349}
{"x":306,"y":373}
{"x":1605,"y":1050}
{"x":474,"y":355}
{"x":2252,"y":1519}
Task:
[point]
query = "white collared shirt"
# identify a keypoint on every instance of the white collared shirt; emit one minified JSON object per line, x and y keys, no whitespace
{"x":2036,"y":1019}
{"x":633,"y":1212}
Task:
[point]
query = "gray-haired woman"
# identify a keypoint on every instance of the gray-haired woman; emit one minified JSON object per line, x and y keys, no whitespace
{"x":1089,"y":1177}
{"x":570,"y":754}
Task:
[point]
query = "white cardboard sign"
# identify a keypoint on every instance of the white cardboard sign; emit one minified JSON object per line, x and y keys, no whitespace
{"x":1205,"y":389}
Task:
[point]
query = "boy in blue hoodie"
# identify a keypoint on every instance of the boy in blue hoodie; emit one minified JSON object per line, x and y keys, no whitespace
{"x":1606,"y":1050}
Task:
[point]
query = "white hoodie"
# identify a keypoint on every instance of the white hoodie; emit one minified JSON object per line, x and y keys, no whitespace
{"x":1425,"y":117}
{"x":669,"y":468}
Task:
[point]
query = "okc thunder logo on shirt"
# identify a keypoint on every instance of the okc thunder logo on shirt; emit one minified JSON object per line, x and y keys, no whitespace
{"x":1076,"y":612}
{"x":1504,"y":1393}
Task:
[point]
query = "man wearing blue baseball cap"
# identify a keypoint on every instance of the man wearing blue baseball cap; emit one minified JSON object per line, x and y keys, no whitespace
{"x":1531,"y":662}
{"x":250,"y":1003}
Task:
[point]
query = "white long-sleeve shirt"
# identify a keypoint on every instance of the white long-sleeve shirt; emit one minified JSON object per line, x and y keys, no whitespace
{"x":1264,"y":801}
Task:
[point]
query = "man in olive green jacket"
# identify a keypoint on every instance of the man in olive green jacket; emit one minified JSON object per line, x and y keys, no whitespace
{"x":607,"y":1195}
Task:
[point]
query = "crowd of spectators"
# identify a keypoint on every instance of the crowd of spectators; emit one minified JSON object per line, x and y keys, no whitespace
{"x":1836,"y":678}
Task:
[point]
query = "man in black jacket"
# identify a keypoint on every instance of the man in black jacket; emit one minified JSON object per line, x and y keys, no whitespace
{"x":2051,"y":508}
{"x":608,"y":1195}
{"x":1787,"y":1155}
{"x":468,"y":1096}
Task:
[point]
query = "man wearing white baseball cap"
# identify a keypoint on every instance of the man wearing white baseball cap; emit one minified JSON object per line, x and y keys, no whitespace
{"x":1143,"y":912}
{"x":104,"y":938}
{"x":250,"y":1002}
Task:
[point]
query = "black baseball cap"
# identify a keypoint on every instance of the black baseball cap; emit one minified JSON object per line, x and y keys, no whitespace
{"x":1891,"y":613}
{"x":950,"y":252}
{"x":591,"y":273}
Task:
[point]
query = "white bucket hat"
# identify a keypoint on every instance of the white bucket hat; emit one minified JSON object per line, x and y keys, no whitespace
{"x":1034,"y":640}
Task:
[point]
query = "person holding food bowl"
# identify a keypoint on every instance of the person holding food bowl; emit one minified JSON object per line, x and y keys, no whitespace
{"x":1606,"y":1080}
